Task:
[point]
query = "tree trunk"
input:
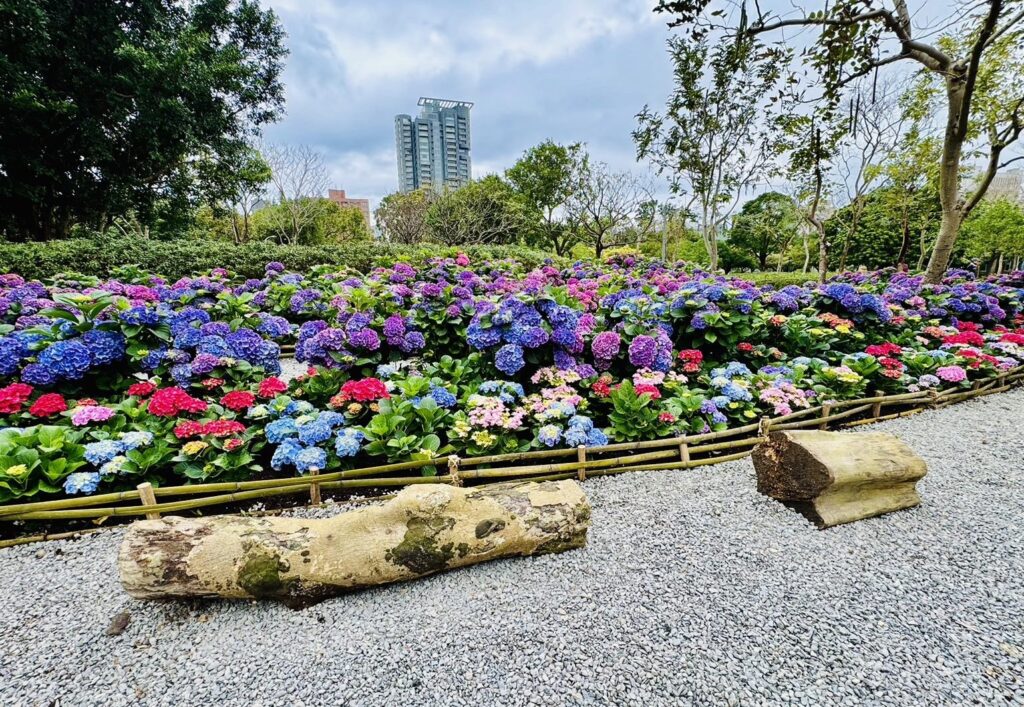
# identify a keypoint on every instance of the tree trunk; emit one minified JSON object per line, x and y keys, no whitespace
{"x":425,"y":529}
{"x":901,"y":258}
{"x":835,"y":478}
{"x":949,"y":178}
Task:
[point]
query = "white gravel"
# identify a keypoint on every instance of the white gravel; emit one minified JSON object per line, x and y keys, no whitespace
{"x":693,"y":590}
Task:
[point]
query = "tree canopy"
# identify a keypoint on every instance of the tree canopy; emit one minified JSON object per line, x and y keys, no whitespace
{"x":114,"y":107}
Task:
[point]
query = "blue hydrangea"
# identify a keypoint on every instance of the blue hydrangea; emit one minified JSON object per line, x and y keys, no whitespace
{"x":314,"y":432}
{"x":187,"y":337}
{"x":181,"y":373}
{"x":68,"y":360}
{"x":347,"y":443}
{"x":575,"y":436}
{"x":114,"y":467}
{"x":99,"y":453}
{"x":479,"y":337}
{"x":154,"y":358}
{"x":104,"y":346}
{"x":299,"y":407}
{"x":596,"y":438}
{"x":442,"y":396}
{"x":136,"y":439}
{"x":280,"y":429}
{"x":140,"y":316}
{"x":285,"y":454}
{"x":37,"y":374}
{"x":549,"y":435}
{"x":331,"y":418}
{"x":81,"y":482}
{"x":736,"y":392}
{"x":310,"y":458}
{"x":10,"y":355}
{"x":581,"y":422}
{"x":509,"y":359}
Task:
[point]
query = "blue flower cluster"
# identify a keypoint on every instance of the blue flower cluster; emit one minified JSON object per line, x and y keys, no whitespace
{"x":301,"y":430}
{"x":518,"y":325}
{"x":580,"y":430}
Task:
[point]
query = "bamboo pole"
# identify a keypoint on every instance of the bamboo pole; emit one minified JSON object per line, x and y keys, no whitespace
{"x":314,"y":488}
{"x":826,"y":410}
{"x":581,"y":457}
{"x":146,"y":498}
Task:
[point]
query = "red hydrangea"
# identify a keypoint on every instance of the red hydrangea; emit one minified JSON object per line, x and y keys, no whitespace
{"x":667,"y":418}
{"x":211,"y":383}
{"x":691,"y":358}
{"x":601,"y":388}
{"x":13,"y":397}
{"x":1017,"y":339}
{"x":649,"y":389}
{"x":745,"y":347}
{"x":213,"y":428}
{"x":886,"y":349}
{"x":48,"y":404}
{"x":968,"y":326}
{"x":232,"y":444}
{"x":170,"y":402}
{"x":365,"y":390}
{"x":141,"y":389}
{"x":269,"y":387}
{"x":970,"y":338}
{"x":238,"y":400}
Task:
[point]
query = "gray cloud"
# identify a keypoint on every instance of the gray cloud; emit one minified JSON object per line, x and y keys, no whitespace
{"x":573,"y":70}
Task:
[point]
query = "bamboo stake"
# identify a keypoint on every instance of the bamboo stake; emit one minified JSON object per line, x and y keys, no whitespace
{"x":314,"y":488}
{"x":581,"y":457}
{"x":26,"y":539}
{"x":147,"y":498}
{"x":876,"y":407}
{"x":453,"y":470}
{"x":684,"y":452}
{"x":826,"y":409}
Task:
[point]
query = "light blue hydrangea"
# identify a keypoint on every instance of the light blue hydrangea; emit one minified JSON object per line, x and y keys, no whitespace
{"x":596,"y":438}
{"x":99,"y":453}
{"x":81,"y":482}
{"x":581,"y":421}
{"x":278,"y":430}
{"x":347,"y":443}
{"x":315,"y":432}
{"x":549,"y":435}
{"x":575,"y":436}
{"x":114,"y":467}
{"x":331,"y":418}
{"x":285,"y":454}
{"x":310,"y":458}
{"x":136,"y":439}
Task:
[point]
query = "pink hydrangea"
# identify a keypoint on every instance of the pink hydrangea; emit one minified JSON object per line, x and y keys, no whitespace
{"x":951,"y":374}
{"x":85,"y":414}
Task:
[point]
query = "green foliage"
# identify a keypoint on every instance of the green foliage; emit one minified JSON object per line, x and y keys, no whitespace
{"x":634,"y":416}
{"x":324,"y":222}
{"x":402,"y":218}
{"x":102,"y":255}
{"x":111,"y":108}
{"x":544,"y":177}
{"x":994,"y":228}
{"x":487,"y":210}
{"x":764,"y":227}
{"x":34,"y":459}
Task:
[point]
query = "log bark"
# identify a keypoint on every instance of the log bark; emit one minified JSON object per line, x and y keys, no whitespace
{"x":835,"y":478}
{"x":425,"y":529}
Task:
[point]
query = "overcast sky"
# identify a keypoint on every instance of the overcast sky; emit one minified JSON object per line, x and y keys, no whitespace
{"x":570,"y":70}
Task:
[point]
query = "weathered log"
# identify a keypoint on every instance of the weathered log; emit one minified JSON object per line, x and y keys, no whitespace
{"x":835,"y":478}
{"x":425,"y":529}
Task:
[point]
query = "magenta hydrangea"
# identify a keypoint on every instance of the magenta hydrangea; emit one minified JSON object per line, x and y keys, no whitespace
{"x":951,"y":374}
{"x":643,"y":350}
{"x":606,"y":345}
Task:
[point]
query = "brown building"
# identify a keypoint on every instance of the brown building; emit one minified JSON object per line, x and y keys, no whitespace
{"x":338,"y":197}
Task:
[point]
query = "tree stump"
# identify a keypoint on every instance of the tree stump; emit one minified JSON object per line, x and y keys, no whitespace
{"x":835,"y":478}
{"x":425,"y":529}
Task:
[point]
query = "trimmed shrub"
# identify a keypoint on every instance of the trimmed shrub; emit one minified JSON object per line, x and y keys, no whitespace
{"x":99,"y":256}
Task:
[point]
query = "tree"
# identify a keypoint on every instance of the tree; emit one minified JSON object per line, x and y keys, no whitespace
{"x":710,"y":140}
{"x":606,"y":206}
{"x":298,"y":178}
{"x":108,"y":108}
{"x":764,"y":226}
{"x":978,"y":59}
{"x":324,"y":222}
{"x":544,"y":176}
{"x":237,"y":185}
{"x":995,"y":232}
{"x":402,"y":217}
{"x":876,"y":123}
{"x":486,"y":210}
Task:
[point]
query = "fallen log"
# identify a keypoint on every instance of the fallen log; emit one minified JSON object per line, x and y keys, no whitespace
{"x":835,"y":478}
{"x":424,"y":529}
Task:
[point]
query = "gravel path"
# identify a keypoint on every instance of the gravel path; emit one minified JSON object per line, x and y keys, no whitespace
{"x":693,"y":590}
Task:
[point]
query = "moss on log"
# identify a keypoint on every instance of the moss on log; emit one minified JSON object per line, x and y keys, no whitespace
{"x":835,"y":478}
{"x":424,"y":529}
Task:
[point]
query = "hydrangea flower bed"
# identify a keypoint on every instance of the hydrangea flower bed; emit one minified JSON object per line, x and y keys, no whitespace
{"x":106,"y":383}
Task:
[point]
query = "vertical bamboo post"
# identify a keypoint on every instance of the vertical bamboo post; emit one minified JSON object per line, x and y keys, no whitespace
{"x":453,"y":469}
{"x":581,"y":457}
{"x":764,"y":426}
{"x":876,"y":408}
{"x":826,"y":410}
{"x":933,"y":396}
{"x":148,"y":498}
{"x":684,"y":453}
{"x":314,"y":488}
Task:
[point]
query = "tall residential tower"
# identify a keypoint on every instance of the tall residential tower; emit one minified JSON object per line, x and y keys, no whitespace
{"x":433,"y":148}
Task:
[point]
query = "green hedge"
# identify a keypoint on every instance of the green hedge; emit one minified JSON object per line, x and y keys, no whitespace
{"x":777,"y":279}
{"x":174,"y":259}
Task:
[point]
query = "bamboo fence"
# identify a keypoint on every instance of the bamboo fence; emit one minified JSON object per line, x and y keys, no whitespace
{"x":685,"y":452}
